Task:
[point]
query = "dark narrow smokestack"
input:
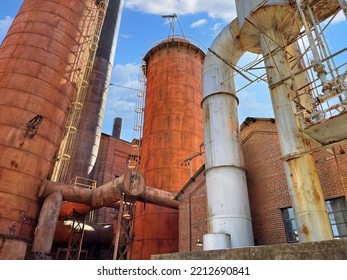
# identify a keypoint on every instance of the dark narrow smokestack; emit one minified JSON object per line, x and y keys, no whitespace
{"x":117,"y":127}
{"x":89,"y":130}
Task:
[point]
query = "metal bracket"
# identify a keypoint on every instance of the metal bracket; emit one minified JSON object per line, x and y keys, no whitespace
{"x":33,"y":126}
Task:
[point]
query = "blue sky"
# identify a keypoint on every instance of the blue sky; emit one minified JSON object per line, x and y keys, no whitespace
{"x":142,"y":26}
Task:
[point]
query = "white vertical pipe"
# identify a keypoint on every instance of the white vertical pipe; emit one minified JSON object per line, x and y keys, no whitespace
{"x":227,"y":195}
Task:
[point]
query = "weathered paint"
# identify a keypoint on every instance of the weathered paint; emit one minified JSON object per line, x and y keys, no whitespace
{"x":227,"y":195}
{"x":45,"y":229}
{"x":302,"y":177}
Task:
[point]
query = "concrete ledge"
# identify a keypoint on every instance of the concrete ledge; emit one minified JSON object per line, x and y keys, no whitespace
{"x":322,"y":250}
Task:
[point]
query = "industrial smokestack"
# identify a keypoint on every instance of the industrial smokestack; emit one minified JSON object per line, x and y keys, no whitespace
{"x":117,"y":127}
{"x":92,"y":117}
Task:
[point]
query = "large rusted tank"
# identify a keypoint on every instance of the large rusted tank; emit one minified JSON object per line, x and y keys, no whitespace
{"x":172,"y":132}
{"x":39,"y":62}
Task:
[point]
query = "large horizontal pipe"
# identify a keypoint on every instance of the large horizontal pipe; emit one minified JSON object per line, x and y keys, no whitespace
{"x":158,"y":197}
{"x":132,"y":184}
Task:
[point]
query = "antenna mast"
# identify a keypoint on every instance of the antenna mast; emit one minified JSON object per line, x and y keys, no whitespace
{"x":172,"y":21}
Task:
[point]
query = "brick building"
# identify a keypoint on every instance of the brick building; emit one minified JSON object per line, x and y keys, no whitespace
{"x":272,"y":215}
{"x":111,"y":163}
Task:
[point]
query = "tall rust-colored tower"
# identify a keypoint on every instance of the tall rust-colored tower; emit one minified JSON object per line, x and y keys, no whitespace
{"x":39,"y":61}
{"x":172,"y":132}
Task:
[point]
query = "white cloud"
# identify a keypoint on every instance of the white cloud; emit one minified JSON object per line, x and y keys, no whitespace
{"x":217,"y":26}
{"x":198,"y":23}
{"x":215,"y":9}
{"x":255,"y":104}
{"x":5,"y":24}
{"x":123,"y":73}
{"x":122,"y":98}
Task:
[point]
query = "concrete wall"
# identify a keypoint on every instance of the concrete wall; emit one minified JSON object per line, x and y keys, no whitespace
{"x":323,"y":250}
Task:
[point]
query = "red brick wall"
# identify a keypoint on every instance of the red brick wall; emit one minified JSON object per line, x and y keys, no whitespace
{"x":192,"y":214}
{"x":333,"y":178}
{"x":112,"y":159}
{"x":267,"y":186}
{"x":110,"y":163}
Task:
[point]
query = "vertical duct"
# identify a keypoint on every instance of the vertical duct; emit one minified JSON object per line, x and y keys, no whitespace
{"x":90,"y":127}
{"x":302,"y":176}
{"x":173,"y":131}
{"x":229,"y":219}
{"x":268,"y":28}
{"x":38,"y":67}
{"x":117,"y":127}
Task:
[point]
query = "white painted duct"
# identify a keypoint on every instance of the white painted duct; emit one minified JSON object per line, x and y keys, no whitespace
{"x":227,"y":195}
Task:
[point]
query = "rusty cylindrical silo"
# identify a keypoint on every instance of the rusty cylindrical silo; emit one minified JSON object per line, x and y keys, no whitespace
{"x":38,"y":63}
{"x":172,"y":132}
{"x":89,"y":131}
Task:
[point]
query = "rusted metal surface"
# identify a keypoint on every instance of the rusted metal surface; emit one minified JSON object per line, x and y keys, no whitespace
{"x":326,"y":132}
{"x":67,"y":209}
{"x":36,"y":78}
{"x":253,"y":14}
{"x":323,"y":8}
{"x":302,"y":80}
{"x":128,"y":187}
{"x":255,"y":17}
{"x":44,"y":233}
{"x":132,"y":184}
{"x":173,"y":131}
{"x":301,"y":173}
{"x":158,"y":197}
{"x":159,"y":234}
